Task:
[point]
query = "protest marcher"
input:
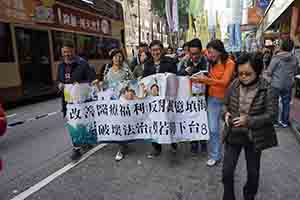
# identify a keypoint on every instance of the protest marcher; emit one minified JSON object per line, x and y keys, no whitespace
{"x":139,"y":69}
{"x":170,"y":52}
{"x":195,"y":64}
{"x":219,"y":77}
{"x":113,"y":76}
{"x":186,"y":50}
{"x":159,"y":64}
{"x":72,"y":70}
{"x":143,"y":48}
{"x":179,"y":54}
{"x":282,"y":71}
{"x":250,"y":109}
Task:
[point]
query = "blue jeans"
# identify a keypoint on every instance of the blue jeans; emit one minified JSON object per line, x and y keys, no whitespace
{"x":214,"y":114}
{"x":286,"y":97}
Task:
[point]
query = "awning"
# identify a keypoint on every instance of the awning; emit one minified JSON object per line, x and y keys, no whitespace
{"x":277,"y":7}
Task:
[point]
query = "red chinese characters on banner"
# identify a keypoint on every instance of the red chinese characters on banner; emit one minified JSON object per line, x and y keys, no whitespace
{"x":80,"y":21}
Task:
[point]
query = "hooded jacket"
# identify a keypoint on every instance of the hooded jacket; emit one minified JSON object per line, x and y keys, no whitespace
{"x":282,"y":70}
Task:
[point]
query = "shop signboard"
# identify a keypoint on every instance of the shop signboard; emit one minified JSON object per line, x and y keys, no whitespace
{"x":43,"y":11}
{"x":277,"y":8}
{"x":254,"y":15}
{"x":76,"y":20}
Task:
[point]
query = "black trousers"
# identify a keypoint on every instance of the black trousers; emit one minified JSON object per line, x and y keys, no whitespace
{"x":231,"y":156}
{"x":158,"y":147}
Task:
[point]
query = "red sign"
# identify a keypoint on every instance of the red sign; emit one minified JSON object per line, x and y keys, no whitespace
{"x":79,"y":21}
{"x":254,"y":16}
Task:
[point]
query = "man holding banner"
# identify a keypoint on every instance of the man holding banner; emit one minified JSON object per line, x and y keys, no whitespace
{"x":159,"y":64}
{"x":195,"y":64}
{"x":72,"y":70}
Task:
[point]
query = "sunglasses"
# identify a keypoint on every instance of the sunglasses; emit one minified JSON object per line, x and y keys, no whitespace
{"x":245,"y":74}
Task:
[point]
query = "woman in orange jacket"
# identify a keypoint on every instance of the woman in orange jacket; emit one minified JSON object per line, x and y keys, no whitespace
{"x":219,"y":77}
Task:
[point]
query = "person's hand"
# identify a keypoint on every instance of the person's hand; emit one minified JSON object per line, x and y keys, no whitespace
{"x":60,"y":86}
{"x":189,"y":70}
{"x":240,"y":121}
{"x":227,"y":118}
{"x":198,"y":78}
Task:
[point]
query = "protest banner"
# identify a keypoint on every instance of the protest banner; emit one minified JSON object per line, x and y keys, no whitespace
{"x":160,"y":108}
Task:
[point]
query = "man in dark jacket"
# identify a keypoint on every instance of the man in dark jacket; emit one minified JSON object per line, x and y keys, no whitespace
{"x":282,"y":71}
{"x":159,"y":64}
{"x":73,"y":69}
{"x":194,"y":64}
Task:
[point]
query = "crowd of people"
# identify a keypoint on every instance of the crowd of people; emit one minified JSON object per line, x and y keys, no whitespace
{"x":244,"y":91}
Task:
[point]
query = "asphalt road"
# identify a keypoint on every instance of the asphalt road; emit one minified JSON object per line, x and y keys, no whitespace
{"x":34,"y":150}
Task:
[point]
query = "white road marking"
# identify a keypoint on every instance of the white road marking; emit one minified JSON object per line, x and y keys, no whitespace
{"x":35,"y":188}
{"x":12,"y":115}
{"x":53,"y":113}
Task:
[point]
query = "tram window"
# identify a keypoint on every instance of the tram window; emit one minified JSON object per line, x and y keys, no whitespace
{"x":104,"y":45}
{"x":86,"y":46}
{"x":59,"y":38}
{"x":6,"y":49}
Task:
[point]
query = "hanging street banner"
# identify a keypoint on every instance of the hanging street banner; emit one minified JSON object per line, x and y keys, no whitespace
{"x":162,"y":108}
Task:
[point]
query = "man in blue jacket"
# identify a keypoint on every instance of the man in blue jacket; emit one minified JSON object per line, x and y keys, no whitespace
{"x":73,"y":69}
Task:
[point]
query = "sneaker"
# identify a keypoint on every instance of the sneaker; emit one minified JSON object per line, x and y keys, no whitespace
{"x":153,"y":154}
{"x":211,"y":162}
{"x":119,"y":156}
{"x":283,"y":125}
{"x":277,"y":125}
{"x":76,"y":154}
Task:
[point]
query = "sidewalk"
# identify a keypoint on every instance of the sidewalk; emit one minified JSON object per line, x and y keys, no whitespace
{"x":295,"y":117}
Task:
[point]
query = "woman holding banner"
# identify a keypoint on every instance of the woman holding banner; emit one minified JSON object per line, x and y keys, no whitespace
{"x":114,"y":75}
{"x":218,"y":79}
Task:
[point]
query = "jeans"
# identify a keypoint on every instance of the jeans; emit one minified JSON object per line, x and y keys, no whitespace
{"x":235,"y":38}
{"x":286,"y":97}
{"x":214,"y":115}
{"x":231,"y":156}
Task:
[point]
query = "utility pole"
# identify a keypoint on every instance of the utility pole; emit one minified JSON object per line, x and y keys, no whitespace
{"x":139,"y":19}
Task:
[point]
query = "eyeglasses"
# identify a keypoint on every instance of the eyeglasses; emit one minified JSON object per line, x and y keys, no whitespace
{"x":245,"y":73}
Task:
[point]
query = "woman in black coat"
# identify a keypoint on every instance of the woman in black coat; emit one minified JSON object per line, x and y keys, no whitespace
{"x":250,"y":110}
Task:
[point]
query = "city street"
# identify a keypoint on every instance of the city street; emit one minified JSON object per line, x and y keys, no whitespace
{"x":36,"y":149}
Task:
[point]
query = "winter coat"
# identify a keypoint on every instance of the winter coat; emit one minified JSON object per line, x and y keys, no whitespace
{"x":166,"y":65}
{"x":261,"y":117}
{"x":282,"y":70}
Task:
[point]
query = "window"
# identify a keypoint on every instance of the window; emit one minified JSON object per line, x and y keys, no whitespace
{"x":86,"y":46}
{"x":6,"y":49}
{"x":104,"y":45}
{"x":59,"y":38}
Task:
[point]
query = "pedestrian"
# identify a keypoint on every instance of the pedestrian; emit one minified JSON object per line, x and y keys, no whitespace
{"x":139,"y":69}
{"x":195,"y":64}
{"x":159,"y":64}
{"x":142,"y":48}
{"x":250,"y":109}
{"x":170,"y":52}
{"x":282,"y":71}
{"x":220,"y":75}
{"x":73,"y":69}
{"x":113,"y":77}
